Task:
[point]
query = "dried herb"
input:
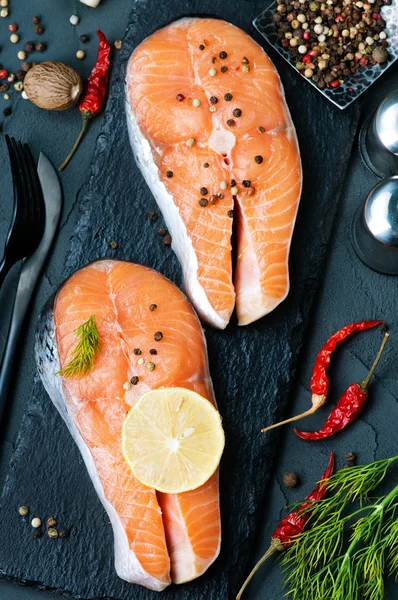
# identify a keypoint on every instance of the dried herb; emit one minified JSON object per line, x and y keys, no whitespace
{"x":84,"y":353}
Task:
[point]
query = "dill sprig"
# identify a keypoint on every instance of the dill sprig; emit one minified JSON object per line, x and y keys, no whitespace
{"x":83,"y":355}
{"x":317,"y":567}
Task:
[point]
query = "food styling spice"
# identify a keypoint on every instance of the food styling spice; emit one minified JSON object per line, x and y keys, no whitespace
{"x":293,"y":525}
{"x":290,"y":480}
{"x":330,"y":41}
{"x":23,"y":511}
{"x":97,"y":86}
{"x":319,"y":379}
{"x":348,"y":407}
{"x":350,"y":458}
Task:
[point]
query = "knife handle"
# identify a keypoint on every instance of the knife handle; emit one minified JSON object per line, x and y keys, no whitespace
{"x":20,"y":306}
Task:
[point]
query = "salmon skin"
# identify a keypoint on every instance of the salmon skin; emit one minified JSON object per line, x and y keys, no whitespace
{"x":213,"y":138}
{"x":159,"y":538}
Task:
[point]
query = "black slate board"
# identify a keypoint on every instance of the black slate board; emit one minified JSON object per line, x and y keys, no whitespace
{"x":252,"y":367}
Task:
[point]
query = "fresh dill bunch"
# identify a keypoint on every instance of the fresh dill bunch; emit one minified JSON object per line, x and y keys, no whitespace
{"x":317,"y":567}
{"x":87,"y":347}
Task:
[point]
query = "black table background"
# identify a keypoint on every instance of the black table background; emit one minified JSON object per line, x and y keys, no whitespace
{"x":349,"y":290}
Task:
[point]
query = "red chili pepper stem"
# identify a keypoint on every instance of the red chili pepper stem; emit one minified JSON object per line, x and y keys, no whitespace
{"x":293,"y":524}
{"x":85,"y":121}
{"x":365,"y":382}
{"x":317,"y":400}
{"x":275,"y":546}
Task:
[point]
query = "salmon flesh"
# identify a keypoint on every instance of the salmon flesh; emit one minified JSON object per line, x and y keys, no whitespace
{"x":213,"y":137}
{"x":159,"y":538}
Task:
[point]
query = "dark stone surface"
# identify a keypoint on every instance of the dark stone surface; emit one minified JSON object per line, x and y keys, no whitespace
{"x":251,"y":367}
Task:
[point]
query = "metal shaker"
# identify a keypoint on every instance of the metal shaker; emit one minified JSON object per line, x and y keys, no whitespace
{"x":378,"y":138}
{"x":375,"y":228}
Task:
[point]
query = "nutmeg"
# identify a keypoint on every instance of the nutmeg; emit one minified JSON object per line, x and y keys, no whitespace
{"x":53,"y":86}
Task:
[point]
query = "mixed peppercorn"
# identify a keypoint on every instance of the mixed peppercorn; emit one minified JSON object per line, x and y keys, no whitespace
{"x":329,"y":41}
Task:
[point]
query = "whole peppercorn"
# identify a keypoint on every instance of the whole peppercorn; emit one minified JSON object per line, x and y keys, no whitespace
{"x":153,"y":351}
{"x":290,"y":480}
{"x":118,"y":44}
{"x":114,"y":244}
{"x":237,"y":112}
{"x":14,"y":38}
{"x":7,"y":111}
{"x":29,"y":47}
{"x":158,"y":336}
{"x":246,"y":183}
{"x":36,"y":522}
{"x":213,"y":99}
{"x":20,"y":75}
{"x":231,"y":123}
{"x":380,"y":55}
{"x":23,"y":511}
{"x":21,"y":55}
{"x":4,"y":87}
{"x":36,"y":20}
{"x":39,"y":29}
{"x":84,"y":39}
{"x":52,"y":532}
{"x":63,"y":532}
{"x":51,"y":522}
{"x":203,"y":202}
{"x":167,"y":240}
{"x":228,"y":97}
{"x":223,"y":55}
{"x":80,"y":54}
{"x":153,"y":307}
{"x":37,"y":533}
{"x":153,"y":216}
{"x":13,"y":27}
{"x":230,"y":214}
{"x":350,"y":459}
{"x":224,"y":69}
{"x":162,"y":231}
{"x":134,"y":380}
{"x":41,"y":47}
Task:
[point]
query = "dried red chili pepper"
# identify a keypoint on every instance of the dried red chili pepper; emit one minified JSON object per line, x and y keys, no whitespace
{"x":319,"y":379}
{"x":348,"y":407}
{"x":291,"y":526}
{"x":94,"y":97}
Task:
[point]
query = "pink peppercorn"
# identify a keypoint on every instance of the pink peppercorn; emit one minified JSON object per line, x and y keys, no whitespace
{"x":335,"y":83}
{"x":307,"y":59}
{"x":364,"y":61}
{"x":12,"y":27}
{"x":306,"y":35}
{"x":180,"y":97}
{"x":3,"y":74}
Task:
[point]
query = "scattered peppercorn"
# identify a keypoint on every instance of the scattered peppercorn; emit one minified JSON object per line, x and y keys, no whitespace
{"x":26,"y":67}
{"x":251,"y":191}
{"x":204,"y":191}
{"x":169,"y":174}
{"x":290,"y":480}
{"x":223,"y":55}
{"x":114,"y":244}
{"x":140,"y":361}
{"x":201,"y":47}
{"x":258,"y":159}
{"x":4,"y":87}
{"x":380,"y":55}
{"x":118,"y":44}
{"x":29,"y":47}
{"x":134,"y":380}
{"x":14,"y":38}
{"x":153,"y":216}
{"x":84,"y":39}
{"x":13,"y":27}
{"x":246,"y":183}
{"x":7,"y":111}
{"x":180,"y":97}
{"x":167,"y":240}
{"x":228,"y":97}
{"x":206,"y":165}
{"x":203,"y":202}
{"x":230,"y":214}
{"x":224,"y":69}
{"x":39,"y":29}
{"x":245,"y":61}
{"x":42,"y":47}
{"x":234,"y":190}
{"x":36,"y":522}
{"x":162,"y":231}
{"x":23,"y":511}
{"x":137,"y":351}
{"x":212,"y":72}
{"x":37,"y":533}
{"x":51,"y":522}
{"x":80,"y":54}
{"x":233,"y":182}
{"x":220,"y":195}
{"x":150,"y":366}
{"x":212,"y":108}
{"x":153,"y":351}
{"x":237,"y":112}
{"x":245,"y":68}
{"x":213,"y":199}
{"x":127,"y":386}
{"x":52,"y":532}
{"x":350,"y":459}
{"x":36,"y":20}
{"x":190,"y":142}
{"x":3,"y":74}
{"x":261,"y":129}
{"x":231,"y":123}
{"x":213,"y":99}
{"x":153,"y":307}
{"x":20,"y":75}
{"x":63,"y":532}
{"x":158,"y":336}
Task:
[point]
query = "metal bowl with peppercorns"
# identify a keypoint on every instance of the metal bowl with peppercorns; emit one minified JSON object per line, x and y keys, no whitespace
{"x":340,"y":46}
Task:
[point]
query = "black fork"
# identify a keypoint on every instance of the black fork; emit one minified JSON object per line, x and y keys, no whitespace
{"x":27,"y":227}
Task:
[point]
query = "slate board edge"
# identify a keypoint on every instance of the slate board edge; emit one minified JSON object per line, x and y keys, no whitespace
{"x":84,"y":210}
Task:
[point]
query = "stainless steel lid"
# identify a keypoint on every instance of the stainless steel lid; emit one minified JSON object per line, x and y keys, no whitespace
{"x":381,"y":210}
{"x":386,"y":122}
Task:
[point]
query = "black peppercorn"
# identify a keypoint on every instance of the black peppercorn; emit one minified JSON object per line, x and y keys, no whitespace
{"x":246,"y":183}
{"x":162,"y":231}
{"x":7,"y":111}
{"x":153,"y":307}
{"x":213,"y":99}
{"x":230,"y":123}
{"x":233,"y":182}
{"x":224,"y":69}
{"x":84,"y":39}
{"x":37,"y":533}
{"x":137,"y":351}
{"x":63,"y":532}
{"x":153,"y":351}
{"x":26,"y":67}
{"x":230,"y":214}
{"x":201,"y":47}
{"x":228,"y":97}
{"x":20,"y":75}
{"x":134,"y":380}
{"x":350,"y":459}
{"x":39,"y":29}
{"x":204,"y":191}
{"x":36,"y":20}
{"x":167,"y":240}
{"x":258,"y":159}
{"x":206,"y":165}
{"x":223,"y":55}
{"x":213,"y":199}
{"x":41,"y":47}
{"x":290,"y":480}
{"x":29,"y":47}
{"x":158,"y":336}
{"x":153,"y":216}
{"x":203,"y":202}
{"x":169,"y":174}
{"x":237,"y":112}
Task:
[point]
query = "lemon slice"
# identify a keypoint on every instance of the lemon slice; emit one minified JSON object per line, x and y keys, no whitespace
{"x":173,"y":440}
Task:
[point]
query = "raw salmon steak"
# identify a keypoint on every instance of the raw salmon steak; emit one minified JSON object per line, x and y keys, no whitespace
{"x":213,"y":137}
{"x":158,"y":538}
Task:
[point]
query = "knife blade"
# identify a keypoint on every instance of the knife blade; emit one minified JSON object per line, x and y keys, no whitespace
{"x":31,"y":269}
